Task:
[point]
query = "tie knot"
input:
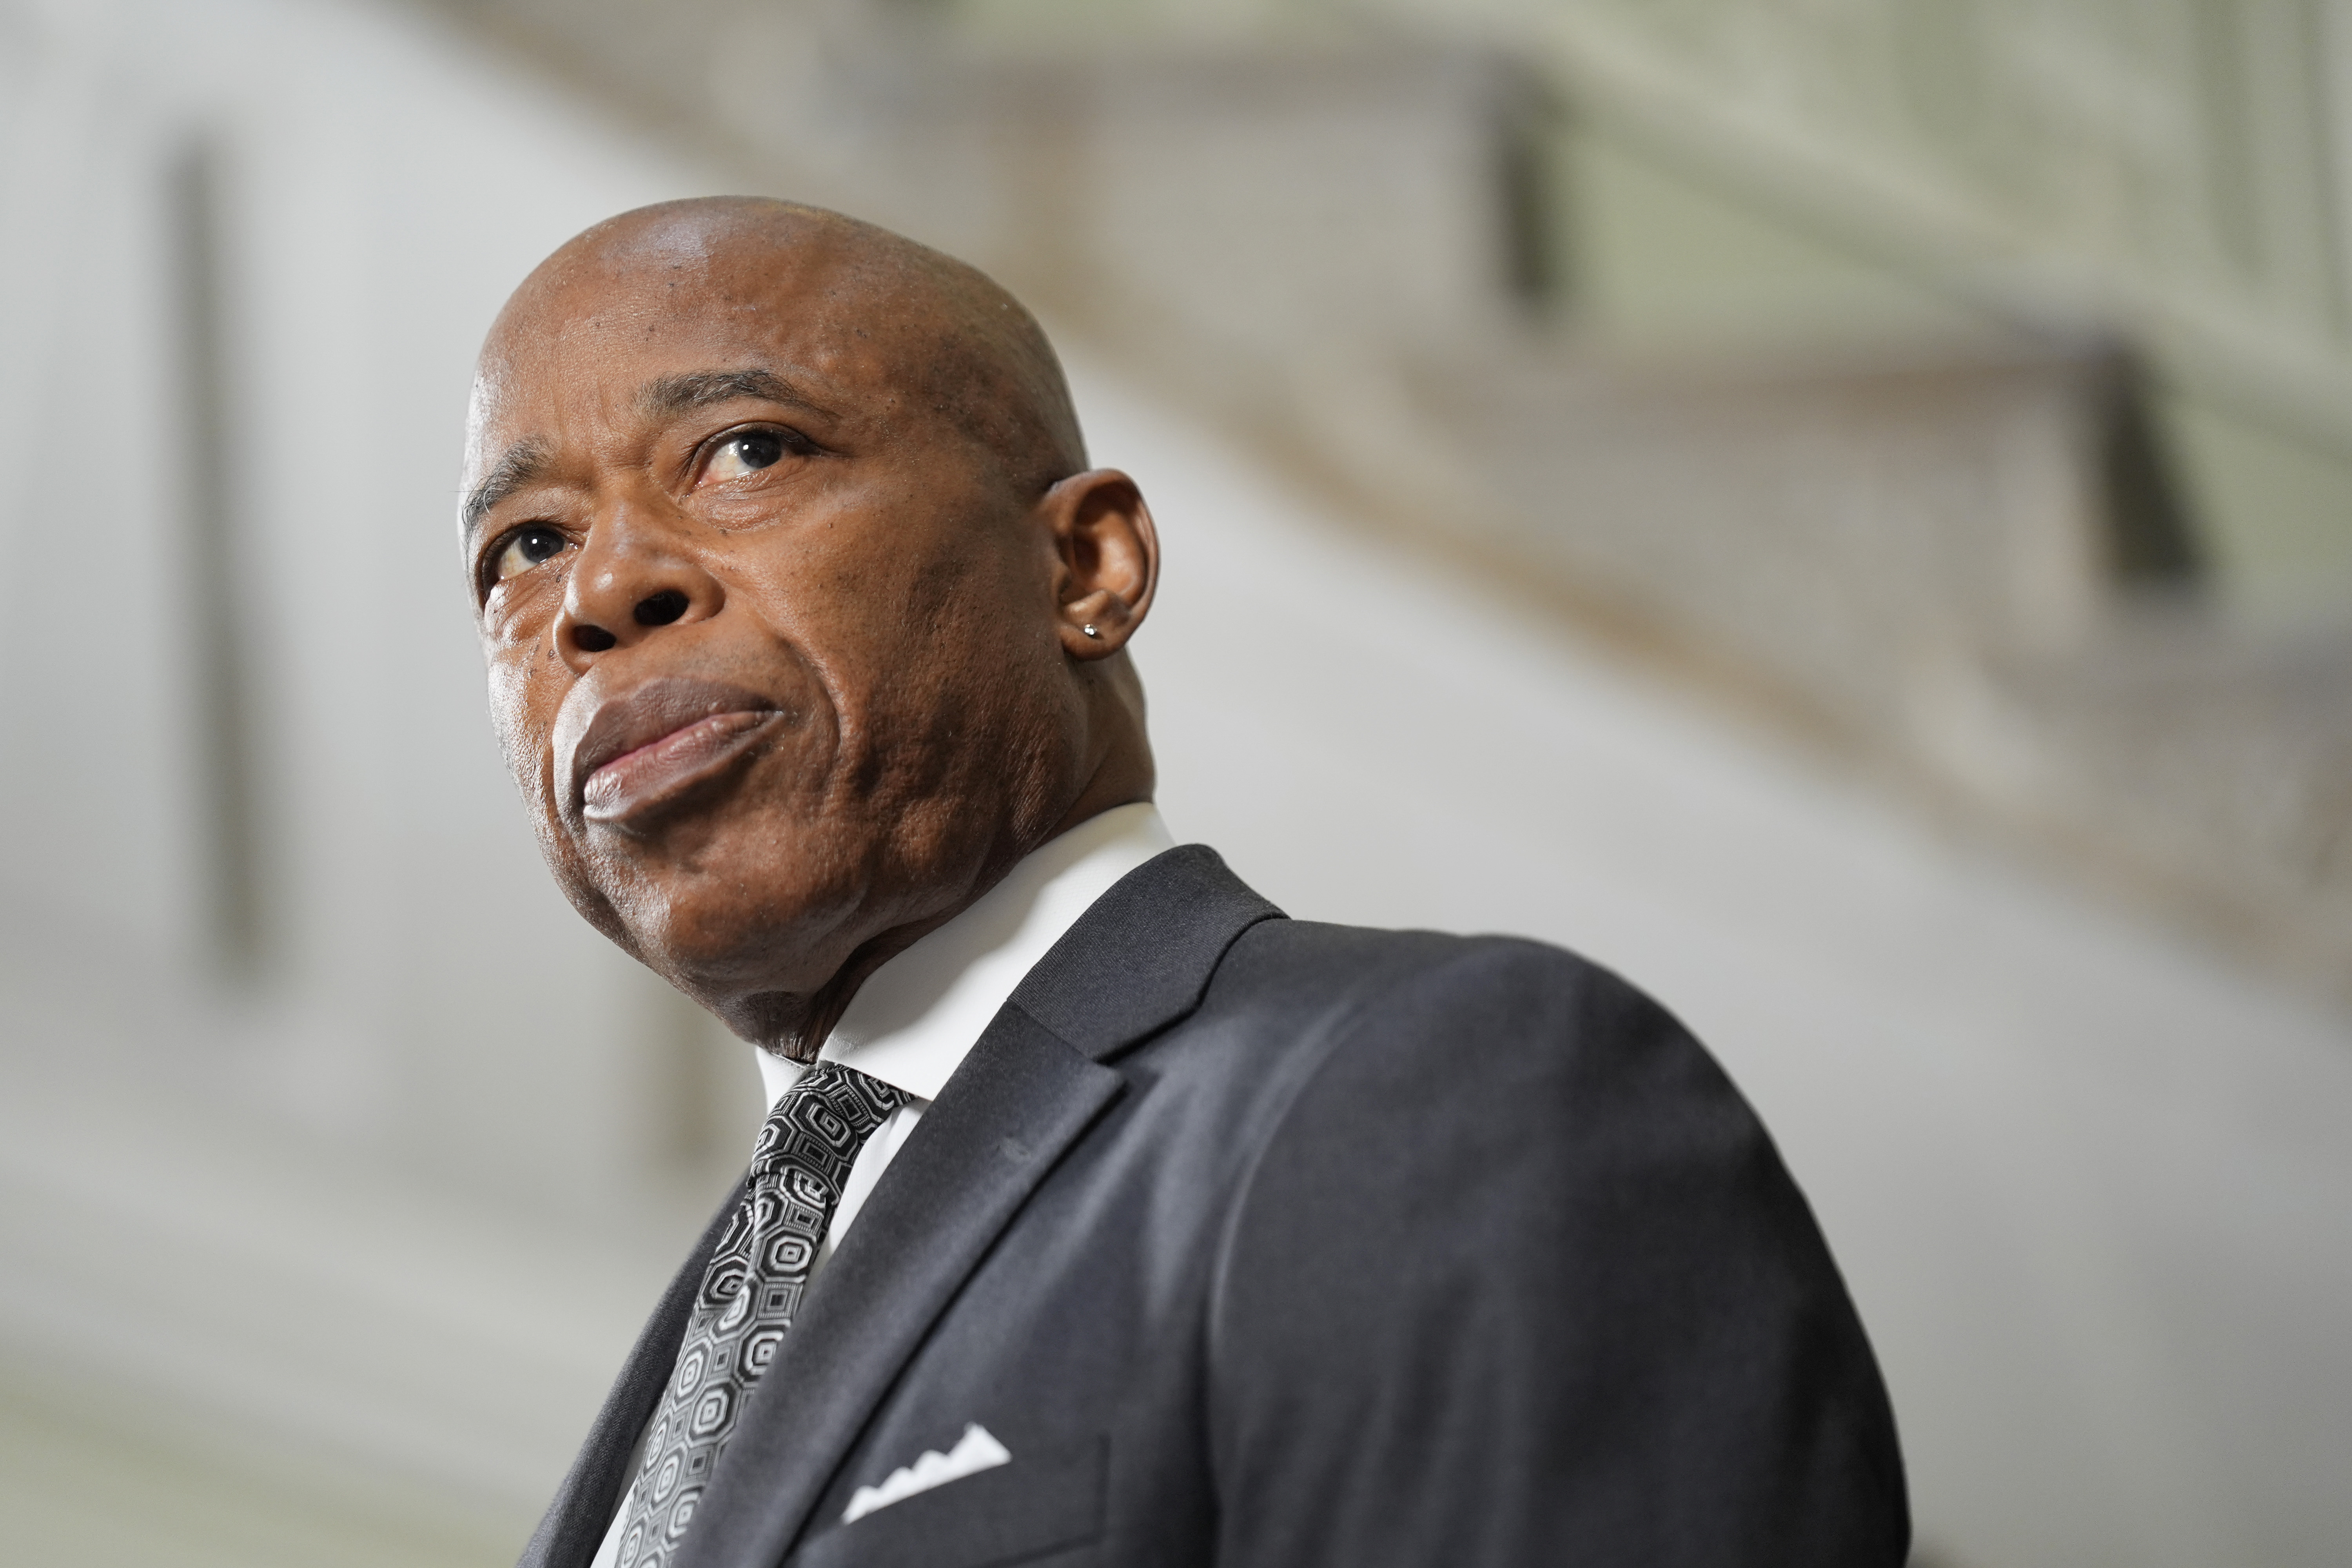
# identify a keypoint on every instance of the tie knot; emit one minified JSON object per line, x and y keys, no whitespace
{"x":821,"y":1121}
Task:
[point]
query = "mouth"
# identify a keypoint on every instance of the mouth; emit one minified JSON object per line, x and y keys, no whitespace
{"x":646,"y":751}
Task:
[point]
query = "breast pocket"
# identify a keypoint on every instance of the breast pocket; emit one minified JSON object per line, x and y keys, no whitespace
{"x":1032,"y":1507}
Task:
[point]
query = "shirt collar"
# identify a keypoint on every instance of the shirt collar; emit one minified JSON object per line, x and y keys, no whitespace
{"x":912,"y":1022}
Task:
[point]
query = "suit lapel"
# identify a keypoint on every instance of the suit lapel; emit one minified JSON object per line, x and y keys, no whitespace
{"x":576,"y":1521}
{"x":1140,"y":959}
{"x":1143,"y":955}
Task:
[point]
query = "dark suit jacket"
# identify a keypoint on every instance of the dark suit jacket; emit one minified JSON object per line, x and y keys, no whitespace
{"x":1260,"y":1242}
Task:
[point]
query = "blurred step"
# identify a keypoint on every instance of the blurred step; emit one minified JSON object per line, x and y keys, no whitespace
{"x":1968,"y":564}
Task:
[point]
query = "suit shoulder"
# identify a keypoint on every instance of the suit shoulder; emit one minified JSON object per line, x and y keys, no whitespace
{"x":1308,"y":1032}
{"x":1294,"y":952}
{"x":1511,"y":1198}
{"x":1434,"y":1041}
{"x":1410,"y":982}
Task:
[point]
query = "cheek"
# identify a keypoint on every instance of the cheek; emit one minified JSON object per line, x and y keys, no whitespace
{"x":521,"y":728}
{"x":523,"y":713}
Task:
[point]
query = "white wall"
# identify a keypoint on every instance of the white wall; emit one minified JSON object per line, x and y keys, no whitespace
{"x":271,"y":1254}
{"x":379,"y":192}
{"x":332,"y":1263}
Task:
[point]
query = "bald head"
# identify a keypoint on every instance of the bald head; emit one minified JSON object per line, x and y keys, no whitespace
{"x":963,"y":349}
{"x":804,"y":618}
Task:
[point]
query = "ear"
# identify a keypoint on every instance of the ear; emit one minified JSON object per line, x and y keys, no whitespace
{"x":1108,"y":560}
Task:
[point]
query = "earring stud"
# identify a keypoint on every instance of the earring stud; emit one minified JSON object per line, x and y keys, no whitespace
{"x":1089,"y":630}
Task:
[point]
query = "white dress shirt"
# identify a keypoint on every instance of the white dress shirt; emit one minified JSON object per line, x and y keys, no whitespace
{"x":916,"y":1018}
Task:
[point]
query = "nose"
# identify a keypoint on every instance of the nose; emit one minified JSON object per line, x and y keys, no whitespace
{"x":633,"y":577}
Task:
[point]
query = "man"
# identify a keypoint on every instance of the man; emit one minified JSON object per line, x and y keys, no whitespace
{"x":1103,"y":1215}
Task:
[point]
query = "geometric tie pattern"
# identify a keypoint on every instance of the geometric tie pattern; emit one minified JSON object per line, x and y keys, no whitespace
{"x":750,"y":1295}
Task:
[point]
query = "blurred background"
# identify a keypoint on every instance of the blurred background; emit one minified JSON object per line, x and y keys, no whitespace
{"x":1841,"y":509}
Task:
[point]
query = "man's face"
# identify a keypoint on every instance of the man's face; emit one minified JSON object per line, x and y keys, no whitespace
{"x":772,"y":643}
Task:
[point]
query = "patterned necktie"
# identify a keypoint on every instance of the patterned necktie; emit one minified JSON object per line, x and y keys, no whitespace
{"x":750,"y":1295}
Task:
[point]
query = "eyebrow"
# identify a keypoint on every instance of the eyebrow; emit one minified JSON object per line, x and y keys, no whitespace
{"x":524,"y":462}
{"x":676,"y":394}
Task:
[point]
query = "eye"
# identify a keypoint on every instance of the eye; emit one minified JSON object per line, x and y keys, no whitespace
{"x":526,"y":547}
{"x":741,"y":453}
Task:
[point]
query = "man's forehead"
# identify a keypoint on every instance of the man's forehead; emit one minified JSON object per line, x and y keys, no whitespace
{"x":623,"y":336}
{"x":652,"y":358}
{"x":671,"y":274}
{"x":664,"y":310}
{"x":623,"y":352}
{"x":655,"y":388}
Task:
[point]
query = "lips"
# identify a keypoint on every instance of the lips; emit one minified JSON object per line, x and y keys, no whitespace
{"x":652,"y":746}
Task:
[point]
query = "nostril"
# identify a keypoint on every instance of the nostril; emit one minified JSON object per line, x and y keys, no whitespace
{"x":660,"y":609}
{"x":592,"y":640}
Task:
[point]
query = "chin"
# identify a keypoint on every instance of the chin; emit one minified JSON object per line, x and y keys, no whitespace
{"x":750,"y":928}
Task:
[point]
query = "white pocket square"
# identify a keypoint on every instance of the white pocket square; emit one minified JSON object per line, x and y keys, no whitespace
{"x":974,"y":1451}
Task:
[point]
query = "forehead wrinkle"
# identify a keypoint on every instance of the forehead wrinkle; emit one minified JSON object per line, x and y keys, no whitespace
{"x":522,"y":463}
{"x":671,"y":395}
